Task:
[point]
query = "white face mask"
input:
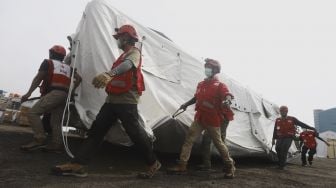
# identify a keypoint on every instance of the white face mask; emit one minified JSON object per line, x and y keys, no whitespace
{"x":208,"y":72}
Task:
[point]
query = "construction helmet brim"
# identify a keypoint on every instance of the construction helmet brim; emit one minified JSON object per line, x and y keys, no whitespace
{"x":130,"y":30}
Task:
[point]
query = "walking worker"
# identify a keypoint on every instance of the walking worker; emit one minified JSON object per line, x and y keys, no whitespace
{"x":209,"y":97}
{"x":308,"y":144}
{"x":206,"y":139}
{"x":284,"y":133}
{"x":55,"y":77}
{"x":124,"y":85}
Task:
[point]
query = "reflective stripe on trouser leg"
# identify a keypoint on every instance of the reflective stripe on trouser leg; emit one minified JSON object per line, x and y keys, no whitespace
{"x":193,"y":132}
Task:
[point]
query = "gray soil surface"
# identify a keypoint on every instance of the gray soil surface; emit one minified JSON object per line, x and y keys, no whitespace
{"x":116,"y":166}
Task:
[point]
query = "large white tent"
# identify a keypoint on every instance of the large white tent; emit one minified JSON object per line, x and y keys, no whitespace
{"x":322,"y":148}
{"x":171,"y":76}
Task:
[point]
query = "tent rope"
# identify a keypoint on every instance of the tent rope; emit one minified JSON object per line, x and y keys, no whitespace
{"x":67,"y":107}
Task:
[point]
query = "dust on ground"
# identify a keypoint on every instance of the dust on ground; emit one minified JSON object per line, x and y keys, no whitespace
{"x":115,"y":166}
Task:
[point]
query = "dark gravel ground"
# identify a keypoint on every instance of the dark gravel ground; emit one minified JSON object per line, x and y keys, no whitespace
{"x":116,"y":166}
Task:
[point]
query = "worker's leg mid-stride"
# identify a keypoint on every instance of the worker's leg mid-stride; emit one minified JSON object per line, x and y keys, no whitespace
{"x":128,"y":115}
{"x":124,"y":85}
{"x":206,"y":147}
{"x":212,"y":105}
{"x":214,"y":132}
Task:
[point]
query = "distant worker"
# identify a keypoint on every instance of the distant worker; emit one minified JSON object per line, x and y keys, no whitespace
{"x":209,"y":97}
{"x":124,"y":85}
{"x":308,"y":144}
{"x":284,"y":133}
{"x":55,"y":77}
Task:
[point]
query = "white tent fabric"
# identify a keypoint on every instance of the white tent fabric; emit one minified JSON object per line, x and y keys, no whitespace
{"x":322,"y":148}
{"x":171,"y":76}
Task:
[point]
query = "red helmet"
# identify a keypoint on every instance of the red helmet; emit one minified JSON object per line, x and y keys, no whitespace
{"x":57,"y":49}
{"x":284,"y":108}
{"x":215,"y":65}
{"x":126,"y":29}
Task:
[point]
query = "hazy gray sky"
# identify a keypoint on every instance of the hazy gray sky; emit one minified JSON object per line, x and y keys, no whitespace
{"x":283,"y":50}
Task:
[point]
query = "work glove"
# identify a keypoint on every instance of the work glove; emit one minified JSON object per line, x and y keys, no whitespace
{"x":101,"y":80}
{"x":184,"y":106}
{"x":25,"y":97}
{"x":227,"y":102}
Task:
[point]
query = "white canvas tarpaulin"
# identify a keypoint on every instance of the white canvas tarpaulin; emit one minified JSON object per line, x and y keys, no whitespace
{"x":171,"y":76}
{"x":322,"y":148}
